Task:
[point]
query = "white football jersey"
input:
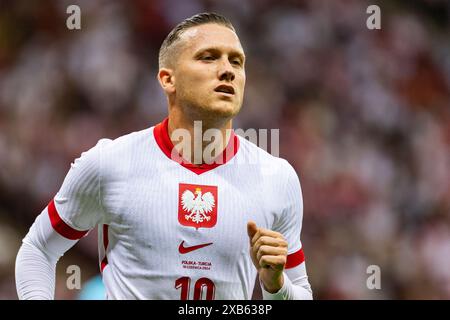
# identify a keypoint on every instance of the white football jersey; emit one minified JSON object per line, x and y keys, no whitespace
{"x":177,"y":231}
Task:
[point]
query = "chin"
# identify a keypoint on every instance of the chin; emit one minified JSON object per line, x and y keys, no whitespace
{"x":225,"y":110}
{"x":221,"y":109}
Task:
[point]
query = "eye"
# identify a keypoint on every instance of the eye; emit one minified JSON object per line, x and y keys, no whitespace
{"x":236,"y":62}
{"x":207,"y":58}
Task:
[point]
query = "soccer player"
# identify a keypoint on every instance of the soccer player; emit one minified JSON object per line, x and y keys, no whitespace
{"x":173,"y":225}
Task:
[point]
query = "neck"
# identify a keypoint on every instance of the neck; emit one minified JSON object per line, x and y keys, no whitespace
{"x":198,"y":141}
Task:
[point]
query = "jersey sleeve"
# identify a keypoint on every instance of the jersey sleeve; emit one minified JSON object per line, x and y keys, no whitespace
{"x":77,"y":206}
{"x":289,"y":223}
{"x":75,"y":210}
{"x":296,"y":285}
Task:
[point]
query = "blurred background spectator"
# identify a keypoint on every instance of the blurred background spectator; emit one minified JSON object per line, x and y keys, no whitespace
{"x":364,"y":117}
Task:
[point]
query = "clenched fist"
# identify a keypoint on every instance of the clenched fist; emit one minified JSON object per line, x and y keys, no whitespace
{"x":268,"y":250}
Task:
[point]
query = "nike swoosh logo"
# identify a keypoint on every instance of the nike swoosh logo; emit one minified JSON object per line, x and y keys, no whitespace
{"x":183,"y":250}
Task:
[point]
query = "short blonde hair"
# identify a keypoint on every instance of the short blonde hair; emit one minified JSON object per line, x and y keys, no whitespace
{"x":165,"y":55}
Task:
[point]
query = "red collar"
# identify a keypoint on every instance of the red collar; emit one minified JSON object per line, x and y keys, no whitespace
{"x":161,"y":134}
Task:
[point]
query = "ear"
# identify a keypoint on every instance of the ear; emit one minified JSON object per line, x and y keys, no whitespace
{"x":166,"y":80}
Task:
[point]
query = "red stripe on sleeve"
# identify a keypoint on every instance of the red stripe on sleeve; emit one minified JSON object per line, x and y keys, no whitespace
{"x":104,"y":263}
{"x":295,"y":259}
{"x":60,"y":226}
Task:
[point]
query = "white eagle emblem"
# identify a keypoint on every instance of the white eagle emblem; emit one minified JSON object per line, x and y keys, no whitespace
{"x":199,"y":206}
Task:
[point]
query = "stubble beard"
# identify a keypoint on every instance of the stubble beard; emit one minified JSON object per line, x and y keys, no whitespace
{"x":212,"y":114}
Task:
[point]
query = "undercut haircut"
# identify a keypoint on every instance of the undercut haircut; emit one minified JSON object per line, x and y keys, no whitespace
{"x":166,"y":53}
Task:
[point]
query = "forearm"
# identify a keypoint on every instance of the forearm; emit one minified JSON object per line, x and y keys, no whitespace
{"x":35,"y":274}
{"x":37,"y":258}
{"x":289,"y":291}
{"x":295,"y":286}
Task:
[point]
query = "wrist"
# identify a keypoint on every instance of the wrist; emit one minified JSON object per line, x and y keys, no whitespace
{"x":273,"y":285}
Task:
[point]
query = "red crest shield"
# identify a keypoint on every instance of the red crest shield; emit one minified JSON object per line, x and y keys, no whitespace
{"x":197,"y":205}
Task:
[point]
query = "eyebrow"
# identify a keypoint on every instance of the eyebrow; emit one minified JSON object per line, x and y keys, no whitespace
{"x":233,"y":53}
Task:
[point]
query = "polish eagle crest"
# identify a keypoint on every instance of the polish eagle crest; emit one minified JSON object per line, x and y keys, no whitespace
{"x":198,"y":205}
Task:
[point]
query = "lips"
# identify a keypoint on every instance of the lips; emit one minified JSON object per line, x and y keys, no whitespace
{"x":225,"y":89}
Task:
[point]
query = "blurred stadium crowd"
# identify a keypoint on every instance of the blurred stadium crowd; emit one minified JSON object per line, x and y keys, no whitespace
{"x":364,"y":117}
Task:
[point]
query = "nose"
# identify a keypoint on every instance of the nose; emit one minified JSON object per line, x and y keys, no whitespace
{"x":226,"y":72}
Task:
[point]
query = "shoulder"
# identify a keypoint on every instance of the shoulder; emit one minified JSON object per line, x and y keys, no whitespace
{"x":269,"y":164}
{"x":126,"y":143}
{"x":112,"y":156}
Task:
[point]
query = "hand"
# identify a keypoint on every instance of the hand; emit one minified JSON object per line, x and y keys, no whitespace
{"x":268,"y":250}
